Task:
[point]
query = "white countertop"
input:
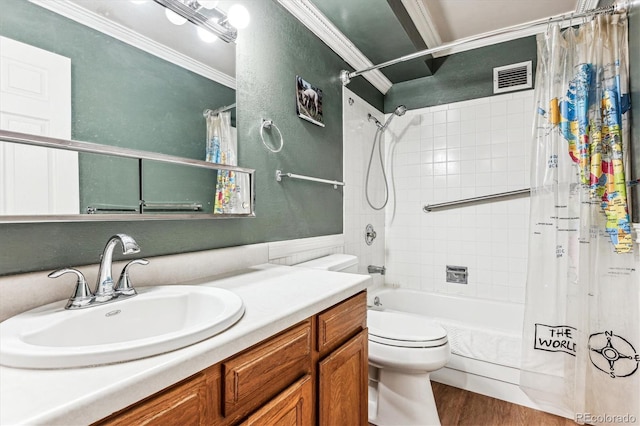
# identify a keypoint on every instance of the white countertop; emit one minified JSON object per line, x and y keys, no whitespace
{"x":275,"y":298}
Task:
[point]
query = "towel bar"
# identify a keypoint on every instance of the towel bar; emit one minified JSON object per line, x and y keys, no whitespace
{"x":280,"y":174}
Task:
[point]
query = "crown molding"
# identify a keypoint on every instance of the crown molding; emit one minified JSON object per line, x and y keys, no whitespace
{"x":423,"y":22}
{"x":318,"y":24}
{"x":130,"y":37}
{"x":584,"y":5}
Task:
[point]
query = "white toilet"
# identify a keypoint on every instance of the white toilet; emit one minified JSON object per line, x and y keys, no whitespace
{"x":403,"y":350}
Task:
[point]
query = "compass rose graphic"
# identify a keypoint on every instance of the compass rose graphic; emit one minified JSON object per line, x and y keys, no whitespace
{"x":613,"y":354}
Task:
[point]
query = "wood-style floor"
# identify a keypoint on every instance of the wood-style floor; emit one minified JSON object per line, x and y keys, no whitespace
{"x":457,"y":407}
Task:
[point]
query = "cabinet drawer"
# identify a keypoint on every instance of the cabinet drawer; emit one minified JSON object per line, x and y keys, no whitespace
{"x":337,"y":324}
{"x":184,"y":404}
{"x":292,"y":407}
{"x":260,"y":373}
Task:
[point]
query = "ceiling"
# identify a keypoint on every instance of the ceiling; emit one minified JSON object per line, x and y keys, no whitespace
{"x":375,"y":31}
{"x":362,"y":32}
{"x":143,"y":24}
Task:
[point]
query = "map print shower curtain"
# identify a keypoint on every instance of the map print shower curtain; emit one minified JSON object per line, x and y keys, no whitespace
{"x":581,"y":346}
{"x":222,"y":147}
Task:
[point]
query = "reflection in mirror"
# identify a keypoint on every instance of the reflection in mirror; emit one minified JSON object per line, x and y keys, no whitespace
{"x":144,"y":85}
{"x":108,"y":184}
{"x":201,"y":191}
{"x":193,"y":189}
{"x":137,"y":183}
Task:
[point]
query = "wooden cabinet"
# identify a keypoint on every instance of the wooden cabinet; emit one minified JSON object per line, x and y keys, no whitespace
{"x":342,"y":384}
{"x":338,"y":323}
{"x":312,"y":373}
{"x":293,"y":407}
{"x":261,"y":372}
{"x":187,"y":403}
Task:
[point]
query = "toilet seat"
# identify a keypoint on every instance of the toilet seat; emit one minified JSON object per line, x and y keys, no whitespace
{"x":404,"y":330}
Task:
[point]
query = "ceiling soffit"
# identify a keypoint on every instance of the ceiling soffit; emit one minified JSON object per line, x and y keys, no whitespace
{"x":317,"y":23}
{"x":367,"y":32}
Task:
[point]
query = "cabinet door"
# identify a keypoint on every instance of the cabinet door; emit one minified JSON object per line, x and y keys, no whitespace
{"x":342,"y":388}
{"x":293,"y":407}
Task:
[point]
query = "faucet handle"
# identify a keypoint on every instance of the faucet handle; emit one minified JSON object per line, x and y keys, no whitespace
{"x":124,"y":286}
{"x":82,"y":296}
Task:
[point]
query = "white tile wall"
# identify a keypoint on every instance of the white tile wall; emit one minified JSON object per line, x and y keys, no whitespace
{"x":455,"y":151}
{"x":358,"y":140}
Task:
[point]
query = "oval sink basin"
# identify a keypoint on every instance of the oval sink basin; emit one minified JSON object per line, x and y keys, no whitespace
{"x":159,"y":319}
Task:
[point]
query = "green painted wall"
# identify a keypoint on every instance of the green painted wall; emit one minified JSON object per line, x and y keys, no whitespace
{"x":272,"y":51}
{"x":356,"y":21}
{"x":461,"y":76}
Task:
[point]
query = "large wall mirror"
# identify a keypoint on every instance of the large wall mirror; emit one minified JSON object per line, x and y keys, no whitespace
{"x":116,"y":73}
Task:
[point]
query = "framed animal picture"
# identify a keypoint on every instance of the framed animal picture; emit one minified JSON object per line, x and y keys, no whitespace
{"x":308,"y":102}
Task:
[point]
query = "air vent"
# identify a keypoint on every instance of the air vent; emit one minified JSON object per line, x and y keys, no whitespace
{"x":512,"y":77}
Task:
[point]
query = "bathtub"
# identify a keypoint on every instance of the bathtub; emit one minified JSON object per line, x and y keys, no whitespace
{"x":485,"y":338}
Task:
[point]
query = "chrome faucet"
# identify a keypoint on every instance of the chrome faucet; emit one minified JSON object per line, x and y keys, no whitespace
{"x":373,"y":269}
{"x":105,"y":291}
{"x":104,"y":286}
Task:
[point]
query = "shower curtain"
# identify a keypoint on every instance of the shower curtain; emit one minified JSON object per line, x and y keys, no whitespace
{"x":581,"y":346}
{"x":222,"y":147}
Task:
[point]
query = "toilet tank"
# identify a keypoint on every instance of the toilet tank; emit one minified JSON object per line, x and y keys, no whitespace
{"x":334,"y":262}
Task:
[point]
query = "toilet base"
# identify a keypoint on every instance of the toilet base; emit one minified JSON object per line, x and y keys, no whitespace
{"x":403,"y":399}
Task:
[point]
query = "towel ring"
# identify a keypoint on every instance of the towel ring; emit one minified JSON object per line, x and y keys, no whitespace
{"x":269,"y":124}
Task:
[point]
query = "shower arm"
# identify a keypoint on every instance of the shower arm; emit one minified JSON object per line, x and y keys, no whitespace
{"x":568,"y":19}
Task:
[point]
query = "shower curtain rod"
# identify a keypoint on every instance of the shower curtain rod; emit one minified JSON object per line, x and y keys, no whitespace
{"x":618,"y":7}
{"x":207,"y":112}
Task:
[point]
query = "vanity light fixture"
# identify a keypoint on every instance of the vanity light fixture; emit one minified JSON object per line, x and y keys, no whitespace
{"x":211,"y":19}
{"x":239,"y":16}
{"x":174,"y":18}
{"x":206,"y":35}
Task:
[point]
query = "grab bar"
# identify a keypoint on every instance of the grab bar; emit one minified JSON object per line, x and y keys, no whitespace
{"x":477,"y":200}
{"x":148,"y":206}
{"x":280,"y":174}
{"x":172,"y":206}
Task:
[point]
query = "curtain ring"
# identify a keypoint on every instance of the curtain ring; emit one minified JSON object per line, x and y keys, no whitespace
{"x":548,"y":26}
{"x":269,"y":124}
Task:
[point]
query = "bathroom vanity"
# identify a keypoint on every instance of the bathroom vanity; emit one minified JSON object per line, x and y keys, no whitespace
{"x":297,"y":356}
{"x":317,"y":367}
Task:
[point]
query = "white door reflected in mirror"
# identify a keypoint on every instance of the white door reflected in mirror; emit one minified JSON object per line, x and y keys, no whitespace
{"x":35,"y":97}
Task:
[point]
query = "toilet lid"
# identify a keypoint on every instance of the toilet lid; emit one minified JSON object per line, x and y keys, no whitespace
{"x":400,"y":329}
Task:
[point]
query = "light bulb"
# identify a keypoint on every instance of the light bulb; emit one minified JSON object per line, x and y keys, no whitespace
{"x":208,"y":4}
{"x":238,"y":16}
{"x":206,"y":36}
{"x":174,"y":18}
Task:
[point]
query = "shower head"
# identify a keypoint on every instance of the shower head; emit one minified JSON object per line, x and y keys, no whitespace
{"x":375,"y":120}
{"x":399,"y":111}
